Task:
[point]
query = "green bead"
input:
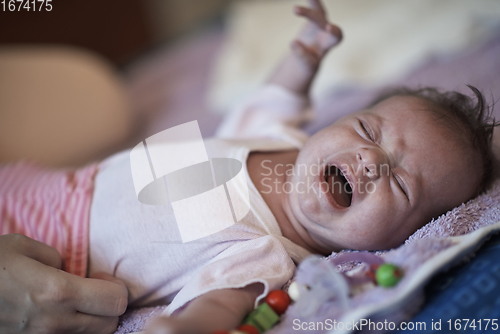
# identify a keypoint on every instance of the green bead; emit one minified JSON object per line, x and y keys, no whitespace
{"x":263,"y":318}
{"x":388,"y":275}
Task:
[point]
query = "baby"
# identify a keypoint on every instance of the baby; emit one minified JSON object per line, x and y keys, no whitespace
{"x":366,"y":182}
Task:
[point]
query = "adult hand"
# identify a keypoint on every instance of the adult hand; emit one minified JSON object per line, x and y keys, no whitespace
{"x":37,"y":297}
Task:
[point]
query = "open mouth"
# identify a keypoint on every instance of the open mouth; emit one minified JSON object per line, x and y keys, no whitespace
{"x":338,"y":186}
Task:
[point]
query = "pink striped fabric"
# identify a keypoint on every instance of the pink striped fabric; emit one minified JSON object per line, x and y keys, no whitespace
{"x":51,"y":206}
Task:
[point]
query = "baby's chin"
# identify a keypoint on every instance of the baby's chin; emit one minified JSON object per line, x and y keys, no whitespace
{"x":344,"y":236}
{"x":378,"y":245}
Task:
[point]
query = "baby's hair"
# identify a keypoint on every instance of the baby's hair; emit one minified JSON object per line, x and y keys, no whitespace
{"x":463,"y":114}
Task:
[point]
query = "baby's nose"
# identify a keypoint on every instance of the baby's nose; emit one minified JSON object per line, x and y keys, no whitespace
{"x":372,"y":160}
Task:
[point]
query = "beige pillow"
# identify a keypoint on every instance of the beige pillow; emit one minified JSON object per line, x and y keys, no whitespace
{"x":60,"y":106}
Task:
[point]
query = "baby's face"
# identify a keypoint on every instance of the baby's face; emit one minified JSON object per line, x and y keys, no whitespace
{"x":403,"y":166}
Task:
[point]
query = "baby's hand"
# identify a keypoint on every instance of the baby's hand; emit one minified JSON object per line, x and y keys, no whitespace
{"x":169,"y":325}
{"x":317,"y":37}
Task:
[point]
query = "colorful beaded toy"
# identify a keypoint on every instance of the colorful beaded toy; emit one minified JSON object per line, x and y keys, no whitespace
{"x":265,"y":316}
{"x":276,"y":303}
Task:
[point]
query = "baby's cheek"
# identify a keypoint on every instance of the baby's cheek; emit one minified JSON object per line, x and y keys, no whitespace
{"x":309,"y":205}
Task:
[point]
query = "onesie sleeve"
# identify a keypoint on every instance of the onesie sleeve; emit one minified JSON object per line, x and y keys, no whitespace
{"x":271,"y":112}
{"x":262,"y":260}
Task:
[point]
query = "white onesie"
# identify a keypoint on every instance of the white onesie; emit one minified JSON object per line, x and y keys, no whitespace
{"x":141,"y":244}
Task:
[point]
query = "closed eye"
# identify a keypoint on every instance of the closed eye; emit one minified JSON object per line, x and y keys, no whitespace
{"x":401,"y":185}
{"x":367,"y":131}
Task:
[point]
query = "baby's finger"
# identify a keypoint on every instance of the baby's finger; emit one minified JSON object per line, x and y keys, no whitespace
{"x":313,"y":15}
{"x":334,"y":30}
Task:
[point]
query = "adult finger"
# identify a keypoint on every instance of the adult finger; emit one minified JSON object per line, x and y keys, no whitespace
{"x":36,"y":250}
{"x":99,"y":297}
{"x":93,"y":324}
{"x":78,"y":323}
{"x":107,"y":277}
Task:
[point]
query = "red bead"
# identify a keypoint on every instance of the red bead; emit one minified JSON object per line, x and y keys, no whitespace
{"x":249,"y":329}
{"x":278,"y":300}
{"x":371,"y":271}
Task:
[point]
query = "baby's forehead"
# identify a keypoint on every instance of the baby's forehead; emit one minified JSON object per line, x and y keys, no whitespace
{"x":401,"y":104}
{"x":416,"y":115}
{"x":405,"y":113}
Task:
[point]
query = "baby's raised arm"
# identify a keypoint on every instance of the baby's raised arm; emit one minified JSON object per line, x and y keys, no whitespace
{"x":284,"y":100}
{"x":296,"y":72}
